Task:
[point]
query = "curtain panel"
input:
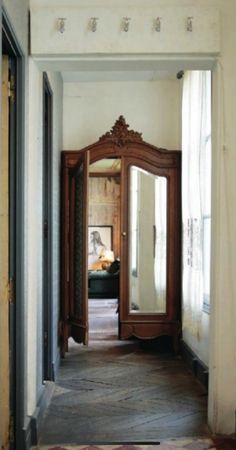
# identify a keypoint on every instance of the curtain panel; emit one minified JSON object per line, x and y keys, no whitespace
{"x":196,"y":196}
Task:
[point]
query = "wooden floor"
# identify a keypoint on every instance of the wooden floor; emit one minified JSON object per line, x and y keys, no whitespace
{"x":122,"y":391}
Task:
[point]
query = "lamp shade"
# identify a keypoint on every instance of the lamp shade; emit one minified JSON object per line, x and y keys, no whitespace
{"x":107,"y":255}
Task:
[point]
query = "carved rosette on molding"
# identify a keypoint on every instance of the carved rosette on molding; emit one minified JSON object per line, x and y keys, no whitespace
{"x":120,"y":134}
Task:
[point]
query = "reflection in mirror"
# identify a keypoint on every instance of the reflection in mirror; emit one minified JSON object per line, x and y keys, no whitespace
{"x":148,"y":242}
{"x":111,"y":165}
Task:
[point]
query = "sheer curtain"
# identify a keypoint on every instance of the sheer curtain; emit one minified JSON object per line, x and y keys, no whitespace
{"x":160,"y":228}
{"x":196,"y":195}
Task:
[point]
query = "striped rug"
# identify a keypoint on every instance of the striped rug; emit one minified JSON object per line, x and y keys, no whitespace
{"x":172,"y":444}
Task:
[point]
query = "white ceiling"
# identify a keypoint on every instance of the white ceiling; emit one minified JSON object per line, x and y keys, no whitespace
{"x":93,"y":68}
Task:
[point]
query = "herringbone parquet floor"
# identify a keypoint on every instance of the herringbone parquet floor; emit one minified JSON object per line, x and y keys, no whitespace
{"x":123,"y":391}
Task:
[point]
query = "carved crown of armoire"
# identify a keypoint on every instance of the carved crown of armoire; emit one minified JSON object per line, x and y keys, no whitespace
{"x":150,"y":248}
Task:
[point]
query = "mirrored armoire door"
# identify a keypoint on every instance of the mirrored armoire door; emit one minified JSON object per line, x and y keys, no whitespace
{"x":150,"y":293}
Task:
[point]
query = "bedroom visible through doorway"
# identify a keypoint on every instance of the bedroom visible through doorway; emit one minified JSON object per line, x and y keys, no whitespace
{"x":104,"y":248}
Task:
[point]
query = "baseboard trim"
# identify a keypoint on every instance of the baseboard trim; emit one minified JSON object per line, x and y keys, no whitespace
{"x":198,"y":368}
{"x":55,"y":366}
{"x":36,"y":418}
{"x":25,"y":441}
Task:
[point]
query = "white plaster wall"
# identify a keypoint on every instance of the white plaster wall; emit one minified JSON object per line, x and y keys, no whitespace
{"x":34,"y":228}
{"x":57,"y":88}
{"x":199,"y":344}
{"x":34,"y":243}
{"x":17,"y":12}
{"x":91,"y":109}
{"x":110,"y":38}
{"x":222,"y":394}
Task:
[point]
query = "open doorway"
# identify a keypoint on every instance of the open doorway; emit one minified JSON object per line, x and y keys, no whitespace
{"x":104,"y":248}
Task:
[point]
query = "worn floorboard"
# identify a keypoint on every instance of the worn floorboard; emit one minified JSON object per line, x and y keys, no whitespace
{"x":122,"y":392}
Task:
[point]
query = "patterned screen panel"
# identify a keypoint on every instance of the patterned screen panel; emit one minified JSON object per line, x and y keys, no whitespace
{"x":78,"y":243}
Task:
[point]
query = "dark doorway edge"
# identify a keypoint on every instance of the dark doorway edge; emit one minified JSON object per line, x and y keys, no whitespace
{"x":18,"y":342}
{"x":47,"y":124}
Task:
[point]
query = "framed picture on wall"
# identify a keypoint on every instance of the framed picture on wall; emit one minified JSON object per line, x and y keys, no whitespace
{"x":100,"y":240}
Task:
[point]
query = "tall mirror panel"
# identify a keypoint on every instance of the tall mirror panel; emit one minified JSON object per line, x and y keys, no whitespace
{"x":148,"y":242}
